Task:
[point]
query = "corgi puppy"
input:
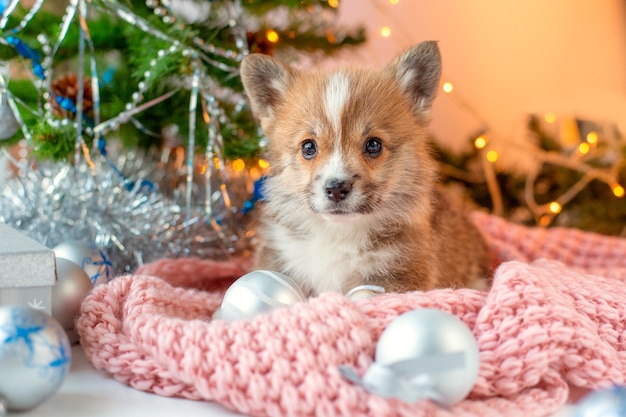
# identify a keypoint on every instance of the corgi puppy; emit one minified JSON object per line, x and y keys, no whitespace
{"x":351,"y":198}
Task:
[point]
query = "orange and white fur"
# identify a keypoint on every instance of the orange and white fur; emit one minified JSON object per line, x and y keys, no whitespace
{"x":351,"y":198}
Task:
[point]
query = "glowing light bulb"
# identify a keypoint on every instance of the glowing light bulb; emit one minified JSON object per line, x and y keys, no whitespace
{"x":227,"y":202}
{"x":545,"y":220}
{"x":480,"y":142}
{"x":550,"y":117}
{"x":554,"y":207}
{"x":263,"y":164}
{"x":584,"y":148}
{"x":618,"y":190}
{"x":448,"y":87}
{"x":272,"y":36}
{"x":385,"y":31}
{"x":333,"y":3}
{"x":492,"y":156}
{"x":394,"y":1}
{"x":239,"y":165}
{"x":592,"y":137}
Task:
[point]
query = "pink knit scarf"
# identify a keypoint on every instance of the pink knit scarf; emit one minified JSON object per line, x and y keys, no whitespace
{"x":554,"y":318}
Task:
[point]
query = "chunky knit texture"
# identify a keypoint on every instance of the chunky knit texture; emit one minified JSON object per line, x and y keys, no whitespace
{"x":554,"y":318}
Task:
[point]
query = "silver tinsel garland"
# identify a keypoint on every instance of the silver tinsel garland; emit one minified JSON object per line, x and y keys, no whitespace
{"x":125,"y":215}
{"x":134,"y":208}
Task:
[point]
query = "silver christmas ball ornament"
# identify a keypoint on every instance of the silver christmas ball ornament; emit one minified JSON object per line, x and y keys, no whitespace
{"x":423,"y":354}
{"x":361,"y":292}
{"x":609,"y":402}
{"x":8,"y":123}
{"x":72,"y":286}
{"x":257,"y":292}
{"x":89,"y":257}
{"x":35,"y":357}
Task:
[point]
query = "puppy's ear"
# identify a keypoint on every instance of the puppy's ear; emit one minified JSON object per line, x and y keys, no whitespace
{"x":417,"y":71}
{"x":265,"y":80}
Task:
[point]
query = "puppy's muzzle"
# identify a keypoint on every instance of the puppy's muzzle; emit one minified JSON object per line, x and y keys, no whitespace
{"x":337,"y":190}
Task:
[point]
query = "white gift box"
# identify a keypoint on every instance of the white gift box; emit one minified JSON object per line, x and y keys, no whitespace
{"x":27,"y":271}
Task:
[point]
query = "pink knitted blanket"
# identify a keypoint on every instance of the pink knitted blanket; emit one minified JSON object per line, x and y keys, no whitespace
{"x":554,"y":318}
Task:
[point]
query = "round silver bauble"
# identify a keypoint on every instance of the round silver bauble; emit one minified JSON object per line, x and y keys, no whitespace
{"x":609,"y":402}
{"x":434,"y":349}
{"x":364,"y":291}
{"x":423,"y":354}
{"x":72,"y":286}
{"x":89,"y":257}
{"x":257,"y":292}
{"x":35,"y":357}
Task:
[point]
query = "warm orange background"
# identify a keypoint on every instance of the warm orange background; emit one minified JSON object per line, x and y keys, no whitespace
{"x":508,"y":58}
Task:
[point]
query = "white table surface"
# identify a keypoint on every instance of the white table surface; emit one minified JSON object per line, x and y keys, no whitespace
{"x":88,"y":392}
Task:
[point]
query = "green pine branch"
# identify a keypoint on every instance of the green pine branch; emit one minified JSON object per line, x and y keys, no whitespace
{"x":125,"y":53}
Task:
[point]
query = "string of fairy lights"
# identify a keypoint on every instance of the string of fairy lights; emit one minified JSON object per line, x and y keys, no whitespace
{"x":586,"y":148}
{"x":490,"y":152}
{"x":578,"y":161}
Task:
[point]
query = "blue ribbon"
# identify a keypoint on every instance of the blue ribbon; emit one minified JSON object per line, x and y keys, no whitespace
{"x":29,"y":53}
{"x":257,"y":195}
{"x":66,"y":103}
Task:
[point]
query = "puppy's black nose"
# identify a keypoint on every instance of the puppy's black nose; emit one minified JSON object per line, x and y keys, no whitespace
{"x":337,"y":190}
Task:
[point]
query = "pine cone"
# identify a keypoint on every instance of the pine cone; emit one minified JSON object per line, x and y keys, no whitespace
{"x":66,"y":87}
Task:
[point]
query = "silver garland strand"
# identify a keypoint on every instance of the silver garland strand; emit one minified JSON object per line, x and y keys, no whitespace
{"x":135,"y":207}
{"x":132,"y":221}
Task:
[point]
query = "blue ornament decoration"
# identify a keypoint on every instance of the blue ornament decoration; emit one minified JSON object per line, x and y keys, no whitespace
{"x":104,"y":265}
{"x":35,"y":357}
{"x":89,"y":257}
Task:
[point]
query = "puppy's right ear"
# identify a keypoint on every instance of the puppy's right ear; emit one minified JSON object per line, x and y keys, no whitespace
{"x":417,"y":72}
{"x":265,"y":80}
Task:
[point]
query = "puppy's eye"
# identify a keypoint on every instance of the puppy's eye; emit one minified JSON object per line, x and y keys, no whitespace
{"x":309,"y":149}
{"x":373,"y":147}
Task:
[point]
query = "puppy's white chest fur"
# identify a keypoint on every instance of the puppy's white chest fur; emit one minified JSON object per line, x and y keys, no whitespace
{"x":334,"y":256}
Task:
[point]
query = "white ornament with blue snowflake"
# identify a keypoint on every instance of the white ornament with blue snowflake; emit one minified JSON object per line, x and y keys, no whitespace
{"x":35,"y":357}
{"x":608,"y":402}
{"x":94,"y":261}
